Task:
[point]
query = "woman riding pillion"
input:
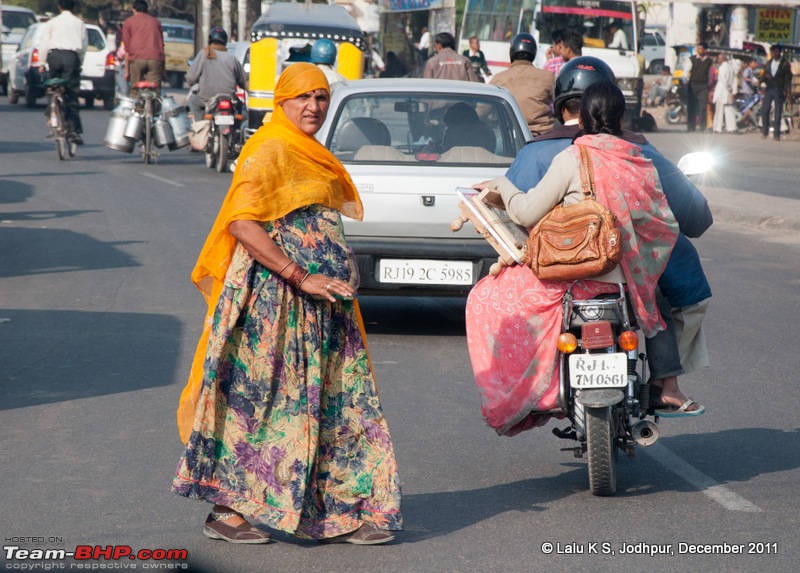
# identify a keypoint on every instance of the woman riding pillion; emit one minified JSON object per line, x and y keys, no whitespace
{"x":514,"y":319}
{"x":215,"y":71}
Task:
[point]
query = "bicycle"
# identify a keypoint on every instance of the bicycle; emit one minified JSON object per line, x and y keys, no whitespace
{"x":56,"y":87}
{"x":145,"y":105}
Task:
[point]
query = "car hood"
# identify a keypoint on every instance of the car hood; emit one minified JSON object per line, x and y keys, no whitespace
{"x":421,"y":202}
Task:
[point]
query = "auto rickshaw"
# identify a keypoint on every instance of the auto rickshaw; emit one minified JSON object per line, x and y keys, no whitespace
{"x":284,"y":35}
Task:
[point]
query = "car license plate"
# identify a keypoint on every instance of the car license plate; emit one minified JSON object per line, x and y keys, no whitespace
{"x":86,"y":85}
{"x":414,"y":271}
{"x":598,"y":370}
{"x":223,"y":119}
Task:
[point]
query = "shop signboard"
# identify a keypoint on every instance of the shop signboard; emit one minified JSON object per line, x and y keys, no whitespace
{"x":774,"y":25}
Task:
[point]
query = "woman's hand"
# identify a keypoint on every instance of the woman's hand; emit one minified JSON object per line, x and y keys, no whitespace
{"x":327,"y":288}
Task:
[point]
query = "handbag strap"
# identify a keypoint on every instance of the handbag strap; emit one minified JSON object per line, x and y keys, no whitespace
{"x":587,"y":173}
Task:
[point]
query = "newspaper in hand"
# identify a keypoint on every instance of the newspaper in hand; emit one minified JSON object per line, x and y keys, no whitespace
{"x":507,"y":237}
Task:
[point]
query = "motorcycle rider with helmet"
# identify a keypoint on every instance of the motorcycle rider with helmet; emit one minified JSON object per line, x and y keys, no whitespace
{"x":323,"y":55}
{"x":530,"y":86}
{"x":215,"y":71}
{"x":684,"y":290}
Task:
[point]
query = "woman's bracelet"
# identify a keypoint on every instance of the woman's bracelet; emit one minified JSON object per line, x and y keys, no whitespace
{"x":299,"y":274}
{"x":284,"y":267}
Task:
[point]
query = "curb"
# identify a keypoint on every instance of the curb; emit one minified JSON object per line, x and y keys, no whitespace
{"x":763,"y":212}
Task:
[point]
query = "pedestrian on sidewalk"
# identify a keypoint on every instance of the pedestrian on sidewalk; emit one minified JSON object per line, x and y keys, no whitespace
{"x":777,"y":77}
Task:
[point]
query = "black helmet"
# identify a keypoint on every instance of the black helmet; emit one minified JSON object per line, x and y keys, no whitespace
{"x":577,"y":75}
{"x":218,"y":35}
{"x":522,"y":44}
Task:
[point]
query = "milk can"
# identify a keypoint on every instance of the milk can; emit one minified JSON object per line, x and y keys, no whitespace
{"x":162,"y":133}
{"x":133,"y":129}
{"x":179,"y":121}
{"x":115,"y":132}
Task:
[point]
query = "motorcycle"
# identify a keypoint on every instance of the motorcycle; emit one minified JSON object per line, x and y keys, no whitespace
{"x":603,"y":387}
{"x":676,"y":100}
{"x":748,"y":110}
{"x":226,"y":133}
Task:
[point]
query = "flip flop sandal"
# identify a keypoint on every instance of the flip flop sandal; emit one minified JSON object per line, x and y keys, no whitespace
{"x":681,"y":412}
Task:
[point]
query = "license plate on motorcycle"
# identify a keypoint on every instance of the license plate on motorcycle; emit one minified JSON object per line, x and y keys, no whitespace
{"x":223,"y":119}
{"x":598,"y":370}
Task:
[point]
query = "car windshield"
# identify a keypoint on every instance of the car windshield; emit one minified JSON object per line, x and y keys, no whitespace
{"x":17,"y":22}
{"x":426,"y":129}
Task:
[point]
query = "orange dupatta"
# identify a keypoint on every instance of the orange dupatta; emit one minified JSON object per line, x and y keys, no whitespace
{"x":280,"y":169}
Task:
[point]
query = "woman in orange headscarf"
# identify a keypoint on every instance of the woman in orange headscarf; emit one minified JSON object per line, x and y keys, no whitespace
{"x":281,"y":416}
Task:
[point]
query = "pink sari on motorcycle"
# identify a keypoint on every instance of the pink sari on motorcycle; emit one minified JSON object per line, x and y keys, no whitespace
{"x":514,"y":319}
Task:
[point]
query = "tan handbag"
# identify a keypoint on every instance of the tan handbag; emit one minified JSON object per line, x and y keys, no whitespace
{"x":576,"y":242}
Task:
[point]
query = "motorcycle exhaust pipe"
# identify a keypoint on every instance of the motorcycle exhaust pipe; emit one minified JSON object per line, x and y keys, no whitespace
{"x":645,"y":433}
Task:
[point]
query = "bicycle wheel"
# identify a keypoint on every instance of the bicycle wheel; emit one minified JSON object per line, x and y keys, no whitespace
{"x":72,"y":148}
{"x":61,"y":147}
{"x":148,"y":138}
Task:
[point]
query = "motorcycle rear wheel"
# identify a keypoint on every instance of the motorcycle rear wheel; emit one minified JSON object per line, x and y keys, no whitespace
{"x":222,"y":154}
{"x":600,"y":432}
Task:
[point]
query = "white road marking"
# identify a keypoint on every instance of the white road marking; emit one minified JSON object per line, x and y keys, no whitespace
{"x":710,"y":487}
{"x":163,"y":180}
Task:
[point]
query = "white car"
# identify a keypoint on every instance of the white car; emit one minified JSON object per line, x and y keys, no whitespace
{"x":16,"y":20}
{"x":408,"y":143}
{"x":97,"y":70}
{"x":654,"y":49}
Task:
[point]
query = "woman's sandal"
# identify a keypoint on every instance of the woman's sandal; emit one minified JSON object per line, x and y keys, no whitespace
{"x":367,"y":534}
{"x":244,"y":533}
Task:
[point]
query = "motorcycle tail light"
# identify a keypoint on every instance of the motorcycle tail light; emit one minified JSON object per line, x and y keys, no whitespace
{"x":597,"y":334}
{"x":629,"y":340}
{"x":35,"y":57}
{"x":224,"y":104}
{"x":110,"y":61}
{"x":567,"y":343}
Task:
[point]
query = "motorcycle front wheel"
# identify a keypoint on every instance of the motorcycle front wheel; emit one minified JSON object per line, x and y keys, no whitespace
{"x":675,"y":114}
{"x":600,"y":433}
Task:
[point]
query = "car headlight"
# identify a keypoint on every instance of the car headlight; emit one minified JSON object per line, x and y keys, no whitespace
{"x":627,"y":84}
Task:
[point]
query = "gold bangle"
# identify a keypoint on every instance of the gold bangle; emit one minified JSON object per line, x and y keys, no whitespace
{"x":285,"y":266}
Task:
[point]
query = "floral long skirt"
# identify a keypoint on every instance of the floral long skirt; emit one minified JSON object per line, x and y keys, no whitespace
{"x":289,"y":427}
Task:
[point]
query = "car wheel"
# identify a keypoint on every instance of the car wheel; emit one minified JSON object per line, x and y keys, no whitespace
{"x":30,"y":97}
{"x":108,"y":102}
{"x":13,"y":95}
{"x":656,"y":66}
{"x":89,"y":102}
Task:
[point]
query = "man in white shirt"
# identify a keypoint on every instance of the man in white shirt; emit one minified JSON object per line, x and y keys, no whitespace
{"x":63,"y":44}
{"x":424,"y":43}
{"x":618,"y":38}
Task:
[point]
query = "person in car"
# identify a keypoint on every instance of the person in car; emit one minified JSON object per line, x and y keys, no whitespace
{"x":215,"y":71}
{"x":281,"y":416}
{"x":514,"y":319}
{"x":530,"y":86}
{"x":63,"y":44}
{"x":684,"y":292}
{"x":448,"y":64}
